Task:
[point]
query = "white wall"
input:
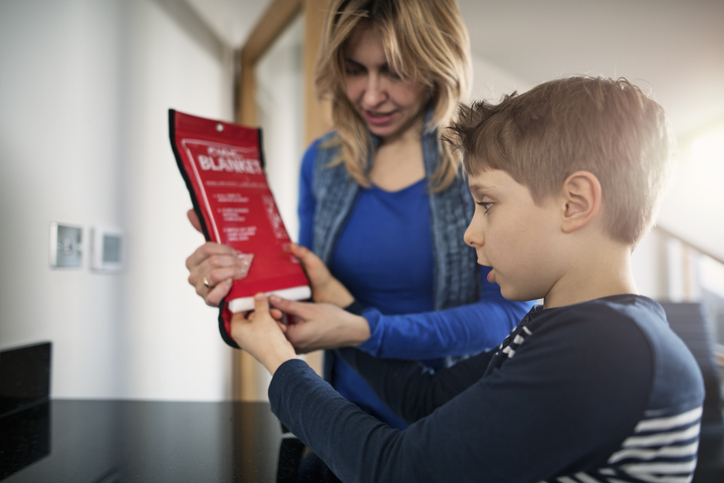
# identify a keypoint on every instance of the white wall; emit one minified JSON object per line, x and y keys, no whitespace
{"x":491,"y":82}
{"x":694,"y":205}
{"x":59,"y":150}
{"x":84,"y":90}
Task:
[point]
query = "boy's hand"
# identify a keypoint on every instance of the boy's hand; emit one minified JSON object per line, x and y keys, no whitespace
{"x":321,"y":326}
{"x":259,"y":334}
{"x":213,"y":267}
{"x":325,"y":288}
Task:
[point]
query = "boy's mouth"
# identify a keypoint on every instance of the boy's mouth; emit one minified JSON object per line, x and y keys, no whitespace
{"x":491,"y":277}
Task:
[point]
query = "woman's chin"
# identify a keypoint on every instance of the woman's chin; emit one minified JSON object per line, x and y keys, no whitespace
{"x":382,"y":131}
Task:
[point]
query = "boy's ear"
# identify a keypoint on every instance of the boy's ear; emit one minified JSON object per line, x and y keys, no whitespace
{"x":580,"y":200}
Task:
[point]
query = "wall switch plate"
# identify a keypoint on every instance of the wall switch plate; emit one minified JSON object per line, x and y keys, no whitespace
{"x":107,"y":248}
{"x":66,"y":249}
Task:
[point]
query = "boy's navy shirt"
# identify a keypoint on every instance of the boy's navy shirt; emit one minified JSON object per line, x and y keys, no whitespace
{"x":597,"y":391}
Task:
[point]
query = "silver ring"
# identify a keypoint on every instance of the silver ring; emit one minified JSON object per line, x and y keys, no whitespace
{"x":206,"y":283}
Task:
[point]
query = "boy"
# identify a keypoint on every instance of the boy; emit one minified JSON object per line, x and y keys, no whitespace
{"x":591,"y":386}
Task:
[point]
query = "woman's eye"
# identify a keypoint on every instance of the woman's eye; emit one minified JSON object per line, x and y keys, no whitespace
{"x":353,"y":69}
{"x":394,"y":75}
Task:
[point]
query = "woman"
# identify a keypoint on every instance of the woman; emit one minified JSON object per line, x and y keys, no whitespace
{"x":382,"y":201}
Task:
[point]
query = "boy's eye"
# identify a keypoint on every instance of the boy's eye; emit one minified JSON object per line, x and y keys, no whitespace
{"x":486,"y":205}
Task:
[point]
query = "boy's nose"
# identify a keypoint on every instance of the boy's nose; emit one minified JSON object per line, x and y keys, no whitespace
{"x":473,"y":237}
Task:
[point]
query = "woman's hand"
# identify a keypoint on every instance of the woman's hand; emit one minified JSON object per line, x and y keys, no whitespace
{"x":321,"y":326}
{"x":325,"y":288}
{"x":213,"y":267}
{"x":261,"y":335}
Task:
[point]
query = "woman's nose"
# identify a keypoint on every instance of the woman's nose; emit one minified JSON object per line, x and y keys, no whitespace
{"x":375,"y":91}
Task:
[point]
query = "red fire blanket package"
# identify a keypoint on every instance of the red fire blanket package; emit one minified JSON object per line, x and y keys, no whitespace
{"x":222,"y":165}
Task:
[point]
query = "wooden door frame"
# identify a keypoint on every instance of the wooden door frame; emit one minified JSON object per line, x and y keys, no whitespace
{"x":317,"y":119}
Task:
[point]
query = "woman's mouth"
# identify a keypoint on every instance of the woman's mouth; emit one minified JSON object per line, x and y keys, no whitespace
{"x":378,"y":118}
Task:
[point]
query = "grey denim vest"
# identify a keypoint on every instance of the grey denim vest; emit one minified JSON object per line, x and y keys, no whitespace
{"x":456,"y":276}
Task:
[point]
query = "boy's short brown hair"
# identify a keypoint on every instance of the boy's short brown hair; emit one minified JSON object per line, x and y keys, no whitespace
{"x":605,"y":126}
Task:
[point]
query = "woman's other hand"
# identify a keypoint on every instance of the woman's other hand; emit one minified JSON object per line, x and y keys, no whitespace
{"x":325,"y":288}
{"x":321,"y":326}
{"x":213,"y":267}
{"x":261,"y":335}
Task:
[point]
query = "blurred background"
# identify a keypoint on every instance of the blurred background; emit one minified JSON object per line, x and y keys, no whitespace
{"x":85,"y":86}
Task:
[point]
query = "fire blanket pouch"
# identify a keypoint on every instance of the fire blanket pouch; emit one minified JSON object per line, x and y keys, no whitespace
{"x":222,"y":165}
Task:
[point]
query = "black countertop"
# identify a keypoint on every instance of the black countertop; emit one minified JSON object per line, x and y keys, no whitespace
{"x":156,"y":441}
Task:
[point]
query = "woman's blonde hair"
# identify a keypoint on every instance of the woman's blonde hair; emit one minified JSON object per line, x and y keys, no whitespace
{"x":424,"y":41}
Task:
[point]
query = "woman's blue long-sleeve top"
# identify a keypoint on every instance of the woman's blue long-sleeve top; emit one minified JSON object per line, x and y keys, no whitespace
{"x":385,"y":255}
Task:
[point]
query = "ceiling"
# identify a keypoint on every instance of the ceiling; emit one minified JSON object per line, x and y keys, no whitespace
{"x":675,"y":48}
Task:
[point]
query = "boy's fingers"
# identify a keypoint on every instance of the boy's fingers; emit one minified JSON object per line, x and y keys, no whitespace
{"x":261,"y":303}
{"x":239,"y":317}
